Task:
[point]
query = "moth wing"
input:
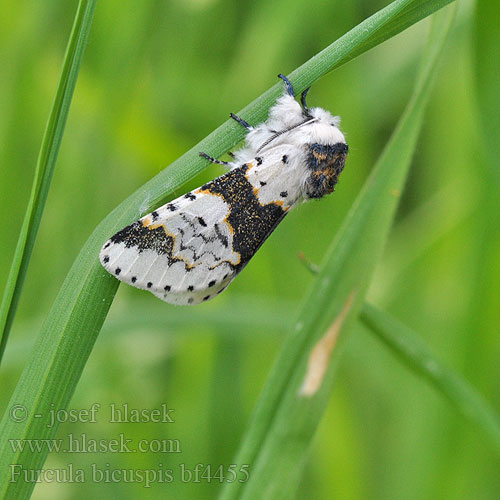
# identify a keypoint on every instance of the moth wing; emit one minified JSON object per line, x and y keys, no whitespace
{"x":190,"y":249}
{"x":175,"y":251}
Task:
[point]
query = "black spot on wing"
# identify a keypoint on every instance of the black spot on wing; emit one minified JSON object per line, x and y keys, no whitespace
{"x":251,"y":222}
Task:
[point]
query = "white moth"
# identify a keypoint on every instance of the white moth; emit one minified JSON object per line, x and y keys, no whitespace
{"x":190,"y":249}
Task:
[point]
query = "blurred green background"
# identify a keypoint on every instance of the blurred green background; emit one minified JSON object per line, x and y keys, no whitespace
{"x":156,"y":78}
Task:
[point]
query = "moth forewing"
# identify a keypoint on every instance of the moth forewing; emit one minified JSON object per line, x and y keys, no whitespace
{"x":190,"y":249}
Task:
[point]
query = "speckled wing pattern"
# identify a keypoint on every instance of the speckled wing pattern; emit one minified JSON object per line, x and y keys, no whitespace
{"x":190,"y":249}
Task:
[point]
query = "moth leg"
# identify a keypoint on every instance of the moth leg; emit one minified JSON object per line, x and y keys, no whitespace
{"x":231,"y":154}
{"x":214,"y":160}
{"x":240,"y":121}
{"x":289,"y":86}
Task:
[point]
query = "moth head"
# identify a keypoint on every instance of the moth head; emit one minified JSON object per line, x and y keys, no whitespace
{"x":325,"y":163}
{"x":317,"y":132}
{"x":323,"y":128}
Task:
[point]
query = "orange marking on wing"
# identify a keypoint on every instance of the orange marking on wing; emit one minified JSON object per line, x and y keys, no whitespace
{"x":256,"y":192}
{"x":207,"y":191}
{"x":231,"y":229}
{"x":255,"y":189}
{"x":280,"y":203}
{"x":151,"y":226}
{"x":156,"y":226}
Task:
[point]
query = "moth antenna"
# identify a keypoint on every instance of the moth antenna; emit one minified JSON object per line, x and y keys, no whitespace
{"x":289,"y":86}
{"x":303,"y":101}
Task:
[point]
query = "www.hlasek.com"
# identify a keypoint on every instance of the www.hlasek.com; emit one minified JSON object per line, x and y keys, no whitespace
{"x":199,"y":473}
{"x":82,"y":443}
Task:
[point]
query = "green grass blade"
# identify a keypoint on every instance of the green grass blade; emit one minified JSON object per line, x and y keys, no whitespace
{"x":293,"y":401}
{"x":47,"y":158}
{"x":68,"y":335}
{"x":379,"y":27}
{"x":414,"y":353}
{"x":487,"y":40}
{"x":384,"y":24}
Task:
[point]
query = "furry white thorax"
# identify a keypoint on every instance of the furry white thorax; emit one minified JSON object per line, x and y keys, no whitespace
{"x":318,"y":127}
{"x":322,"y":128}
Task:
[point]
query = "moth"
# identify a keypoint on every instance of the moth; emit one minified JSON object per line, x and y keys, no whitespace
{"x":189,"y":250}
